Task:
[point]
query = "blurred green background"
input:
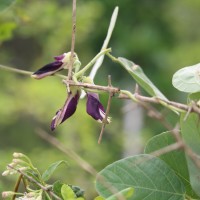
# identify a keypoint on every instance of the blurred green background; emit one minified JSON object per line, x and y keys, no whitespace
{"x":160,"y":36}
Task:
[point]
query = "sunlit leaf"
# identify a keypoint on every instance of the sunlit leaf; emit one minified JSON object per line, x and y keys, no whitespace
{"x":140,"y":77}
{"x":48,"y":173}
{"x":187,"y":79}
{"x":190,"y":130}
{"x":172,"y":158}
{"x":67,"y":193}
{"x":150,"y":177}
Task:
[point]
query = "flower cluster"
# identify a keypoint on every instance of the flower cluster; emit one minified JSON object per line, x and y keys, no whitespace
{"x":93,"y":107}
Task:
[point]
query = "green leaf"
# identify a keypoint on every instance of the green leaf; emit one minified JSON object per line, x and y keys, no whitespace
{"x":172,"y":158}
{"x":99,"y":198}
{"x":187,"y":79}
{"x":67,"y":193}
{"x":126,"y":193}
{"x":140,"y":77}
{"x":57,"y":188}
{"x":48,"y":173}
{"x":5,"y":4}
{"x":190,"y":130}
{"x":150,"y":177}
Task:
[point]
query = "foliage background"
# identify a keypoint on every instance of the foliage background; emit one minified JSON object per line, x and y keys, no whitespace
{"x":161,"y":36}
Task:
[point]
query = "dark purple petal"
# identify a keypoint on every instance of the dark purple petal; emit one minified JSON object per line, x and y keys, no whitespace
{"x":48,"y":69}
{"x":94,"y":107}
{"x":67,"y":111}
{"x":60,"y":57}
{"x":70,"y":107}
{"x":53,"y":123}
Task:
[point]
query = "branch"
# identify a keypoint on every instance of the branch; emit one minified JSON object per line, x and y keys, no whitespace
{"x":96,"y":87}
{"x":73,"y":39}
{"x":107,"y":110}
{"x":124,"y":94}
{"x":56,"y":143}
{"x":47,"y":189}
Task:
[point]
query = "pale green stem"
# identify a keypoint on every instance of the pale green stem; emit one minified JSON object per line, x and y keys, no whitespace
{"x":130,"y":95}
{"x":114,"y":59}
{"x":91,"y":63}
{"x":19,"y":71}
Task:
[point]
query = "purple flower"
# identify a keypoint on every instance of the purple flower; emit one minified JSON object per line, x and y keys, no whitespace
{"x":94,"y":107}
{"x":61,"y":62}
{"x":67,"y":110}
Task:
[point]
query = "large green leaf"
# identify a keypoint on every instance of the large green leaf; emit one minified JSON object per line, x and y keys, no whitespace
{"x":150,"y":177}
{"x":140,"y":77}
{"x":48,"y":173}
{"x":190,"y":130}
{"x":172,"y":158}
{"x":187,"y":79}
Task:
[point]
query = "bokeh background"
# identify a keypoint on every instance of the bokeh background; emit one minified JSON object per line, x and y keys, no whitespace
{"x":160,"y":36}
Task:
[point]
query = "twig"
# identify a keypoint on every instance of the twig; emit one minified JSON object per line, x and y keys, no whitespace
{"x":124,"y":94}
{"x":69,"y":77}
{"x":97,"y":87}
{"x":107,"y":110}
{"x":19,"y":71}
{"x":56,"y":143}
{"x":167,"y":149}
{"x":34,"y":181}
{"x":17,"y":186}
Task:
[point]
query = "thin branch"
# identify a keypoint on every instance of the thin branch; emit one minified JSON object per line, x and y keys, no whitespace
{"x":56,"y":143}
{"x":96,"y":87}
{"x":19,"y":71}
{"x":34,"y":181}
{"x":167,"y":149}
{"x":73,"y":39}
{"x":107,"y":110}
{"x":17,"y":186}
{"x":124,"y":94}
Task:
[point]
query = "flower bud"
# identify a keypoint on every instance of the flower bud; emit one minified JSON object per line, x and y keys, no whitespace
{"x":17,"y":161}
{"x":7,"y":194}
{"x":18,"y":155}
{"x":5,"y":173}
{"x":23,"y":168}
